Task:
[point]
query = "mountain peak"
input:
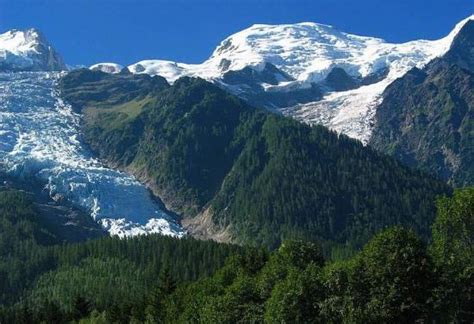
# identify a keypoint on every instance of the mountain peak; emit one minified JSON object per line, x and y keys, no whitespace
{"x":28,"y":50}
{"x":461,"y":51}
{"x":461,"y":24}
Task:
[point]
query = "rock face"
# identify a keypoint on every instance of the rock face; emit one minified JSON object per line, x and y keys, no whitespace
{"x":461,"y":52}
{"x":28,"y":50}
{"x":311,"y":72}
{"x":426,"y":118}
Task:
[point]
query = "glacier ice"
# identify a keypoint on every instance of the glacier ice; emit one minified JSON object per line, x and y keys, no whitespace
{"x":40,"y":139}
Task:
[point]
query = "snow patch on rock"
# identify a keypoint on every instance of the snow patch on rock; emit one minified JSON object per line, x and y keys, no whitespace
{"x":112,"y":68}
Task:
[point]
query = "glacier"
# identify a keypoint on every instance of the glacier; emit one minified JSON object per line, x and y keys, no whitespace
{"x":40,"y":139}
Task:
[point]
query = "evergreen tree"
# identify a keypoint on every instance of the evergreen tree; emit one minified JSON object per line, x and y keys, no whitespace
{"x":51,"y":313}
{"x":156,"y":303}
{"x":81,"y":307}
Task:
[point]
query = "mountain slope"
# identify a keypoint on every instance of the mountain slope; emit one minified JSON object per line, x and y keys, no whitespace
{"x":426,"y":118}
{"x":28,"y":50}
{"x":38,"y":259}
{"x":239,"y":173}
{"x":312,"y":72}
{"x":65,"y":222}
{"x":29,"y":223}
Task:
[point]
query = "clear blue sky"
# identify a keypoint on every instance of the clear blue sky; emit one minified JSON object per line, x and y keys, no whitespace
{"x":126,"y":31}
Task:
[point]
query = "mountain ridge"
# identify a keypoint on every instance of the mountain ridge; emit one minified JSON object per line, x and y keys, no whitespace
{"x":308,"y":53}
{"x":28,"y":50}
{"x":245,"y":174}
{"x":426,"y":117}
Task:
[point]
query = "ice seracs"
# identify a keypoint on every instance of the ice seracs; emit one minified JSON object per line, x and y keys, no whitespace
{"x":308,"y":52}
{"x":124,"y":228}
{"x":28,"y":50}
{"x":40,"y":141}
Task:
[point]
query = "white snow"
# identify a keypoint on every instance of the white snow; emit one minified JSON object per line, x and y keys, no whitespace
{"x":123,"y":228}
{"x":352,"y":112}
{"x":167,"y":69}
{"x":19,"y":42}
{"x":40,"y":140}
{"x":26,"y":50}
{"x":308,"y":52}
{"x":112,"y":68}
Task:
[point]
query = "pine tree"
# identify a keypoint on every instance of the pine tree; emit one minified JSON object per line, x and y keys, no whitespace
{"x":52,"y":313}
{"x":81,"y":307}
{"x":166,"y":285}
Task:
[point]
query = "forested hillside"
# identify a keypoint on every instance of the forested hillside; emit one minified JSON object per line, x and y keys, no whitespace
{"x":105,"y":270}
{"x":22,"y":234}
{"x":395,"y":278}
{"x":239,"y":173}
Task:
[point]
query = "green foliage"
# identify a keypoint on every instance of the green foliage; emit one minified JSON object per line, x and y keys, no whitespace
{"x":453,"y":230}
{"x":91,"y":278}
{"x":453,"y":252}
{"x":392,"y":280}
{"x":296,"y":299}
{"x":81,"y":308}
{"x":277,"y":181}
{"x":166,"y":285}
{"x":113,"y":271}
{"x":44,"y":279}
{"x":95,"y":87}
{"x":263,"y":177}
{"x":22,"y":235}
{"x":300,"y":253}
{"x":396,"y":276}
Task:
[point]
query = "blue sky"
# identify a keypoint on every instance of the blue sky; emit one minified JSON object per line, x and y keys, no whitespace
{"x":126,"y":31}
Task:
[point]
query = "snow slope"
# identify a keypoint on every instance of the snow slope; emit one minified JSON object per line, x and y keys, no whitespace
{"x":112,"y":68}
{"x":308,"y":52}
{"x":28,"y":50}
{"x":40,"y":140}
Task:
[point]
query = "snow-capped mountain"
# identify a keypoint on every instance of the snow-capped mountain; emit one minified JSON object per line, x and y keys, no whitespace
{"x":309,"y":71}
{"x":313,"y":72}
{"x":40,"y":141}
{"x":28,"y":50}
